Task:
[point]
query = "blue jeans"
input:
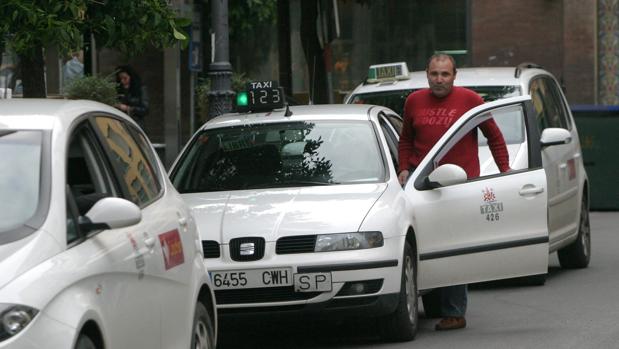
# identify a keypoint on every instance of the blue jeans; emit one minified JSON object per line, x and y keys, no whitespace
{"x":453,"y":300}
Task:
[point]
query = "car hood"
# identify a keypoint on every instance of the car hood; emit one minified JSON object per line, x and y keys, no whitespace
{"x":17,"y":257}
{"x":272,"y":213}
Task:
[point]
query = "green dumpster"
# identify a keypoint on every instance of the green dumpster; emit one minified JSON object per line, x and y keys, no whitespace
{"x":597,"y":129}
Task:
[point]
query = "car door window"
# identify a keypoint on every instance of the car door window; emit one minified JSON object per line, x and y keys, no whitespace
{"x":138,"y":175}
{"x":512,"y":119}
{"x":88,"y":178}
{"x":396,"y":122}
{"x":548,"y":104}
{"x":557,"y":101}
{"x":392,"y":141}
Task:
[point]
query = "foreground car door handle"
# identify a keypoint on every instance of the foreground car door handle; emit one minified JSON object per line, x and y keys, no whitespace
{"x":530,"y":190}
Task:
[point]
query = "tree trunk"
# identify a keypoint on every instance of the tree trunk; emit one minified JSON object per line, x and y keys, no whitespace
{"x":314,"y":54}
{"x":33,"y":73}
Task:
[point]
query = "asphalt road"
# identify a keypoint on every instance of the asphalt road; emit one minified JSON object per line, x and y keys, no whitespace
{"x":574,"y":309}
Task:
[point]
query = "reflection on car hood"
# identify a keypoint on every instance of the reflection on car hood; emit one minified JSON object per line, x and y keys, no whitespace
{"x":272,"y":213}
{"x":19,"y":256}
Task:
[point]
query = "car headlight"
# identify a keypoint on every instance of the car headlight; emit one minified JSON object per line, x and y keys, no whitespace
{"x":14,"y":318}
{"x":348,"y":241}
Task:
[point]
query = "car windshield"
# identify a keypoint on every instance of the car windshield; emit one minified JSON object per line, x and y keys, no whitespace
{"x":20,"y":171}
{"x":280,"y":155}
{"x":513,"y":133}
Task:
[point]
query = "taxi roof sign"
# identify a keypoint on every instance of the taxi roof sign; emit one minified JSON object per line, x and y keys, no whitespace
{"x":260,"y":96}
{"x":387,"y":72}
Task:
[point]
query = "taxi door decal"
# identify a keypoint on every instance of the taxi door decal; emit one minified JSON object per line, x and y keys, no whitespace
{"x":491,"y":207}
{"x":172,"y":249}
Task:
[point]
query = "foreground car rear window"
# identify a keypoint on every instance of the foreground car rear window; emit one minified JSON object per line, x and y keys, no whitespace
{"x":20,"y":171}
{"x":280,"y":155}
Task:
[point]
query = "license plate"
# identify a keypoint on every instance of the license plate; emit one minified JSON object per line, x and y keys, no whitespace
{"x":251,"y":278}
{"x":312,"y":282}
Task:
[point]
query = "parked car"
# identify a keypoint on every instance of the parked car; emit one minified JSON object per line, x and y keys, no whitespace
{"x":97,"y":249}
{"x":300,"y":209}
{"x":568,"y":185}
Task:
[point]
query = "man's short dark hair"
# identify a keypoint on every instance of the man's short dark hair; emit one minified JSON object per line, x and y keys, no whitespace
{"x":440,"y":57}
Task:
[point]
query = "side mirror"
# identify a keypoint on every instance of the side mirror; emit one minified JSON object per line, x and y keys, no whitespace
{"x":447,"y":174}
{"x":112,"y":213}
{"x":555,"y":136}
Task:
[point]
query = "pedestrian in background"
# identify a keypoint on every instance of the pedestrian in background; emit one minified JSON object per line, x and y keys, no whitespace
{"x":72,"y":69}
{"x":428,"y":114}
{"x":132,"y":95}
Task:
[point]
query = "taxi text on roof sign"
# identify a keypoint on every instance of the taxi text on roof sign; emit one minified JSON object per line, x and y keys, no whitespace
{"x":260,"y":96}
{"x":388,"y":71}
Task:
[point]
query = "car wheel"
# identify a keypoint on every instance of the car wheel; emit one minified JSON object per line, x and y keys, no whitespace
{"x":578,"y":253}
{"x":402,"y":324}
{"x":84,"y":342}
{"x":432,"y":304}
{"x":203,"y":334}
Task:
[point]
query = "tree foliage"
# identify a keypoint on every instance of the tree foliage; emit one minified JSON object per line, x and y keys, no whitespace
{"x":27,"y":26}
{"x":244,"y":16}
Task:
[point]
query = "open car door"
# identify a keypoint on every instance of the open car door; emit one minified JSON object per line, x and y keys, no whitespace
{"x":485,"y":228}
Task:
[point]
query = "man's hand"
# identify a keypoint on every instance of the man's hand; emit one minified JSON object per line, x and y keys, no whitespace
{"x":403,"y":176}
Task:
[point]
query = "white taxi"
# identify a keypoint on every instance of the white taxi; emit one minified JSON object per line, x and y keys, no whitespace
{"x":568,"y":186}
{"x":300,"y":209}
{"x":97,"y":249}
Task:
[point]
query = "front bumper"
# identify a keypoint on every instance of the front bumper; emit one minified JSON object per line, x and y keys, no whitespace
{"x":362,"y":281}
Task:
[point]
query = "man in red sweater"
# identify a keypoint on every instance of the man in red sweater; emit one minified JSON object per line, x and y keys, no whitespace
{"x":428,"y":114}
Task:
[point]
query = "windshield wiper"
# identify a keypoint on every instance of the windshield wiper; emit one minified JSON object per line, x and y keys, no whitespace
{"x":304,"y":183}
{"x":288,"y":183}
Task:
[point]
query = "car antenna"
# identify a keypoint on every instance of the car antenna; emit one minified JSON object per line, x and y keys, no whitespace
{"x":288,"y":112}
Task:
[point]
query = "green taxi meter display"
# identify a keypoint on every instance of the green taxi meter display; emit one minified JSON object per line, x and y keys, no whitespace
{"x":260,"y":96}
{"x":386,"y":72}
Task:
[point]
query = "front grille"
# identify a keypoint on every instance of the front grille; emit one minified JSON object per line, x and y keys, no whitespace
{"x":296,"y":244}
{"x":247,"y":249}
{"x":260,"y":295}
{"x":353,"y":288}
{"x":211,"y":249}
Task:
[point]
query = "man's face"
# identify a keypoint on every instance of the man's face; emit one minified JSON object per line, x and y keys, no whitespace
{"x":441,"y":77}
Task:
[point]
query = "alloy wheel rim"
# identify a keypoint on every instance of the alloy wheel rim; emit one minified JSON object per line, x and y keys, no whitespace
{"x":201,"y":336}
{"x":585,"y":230}
{"x":410,"y":301}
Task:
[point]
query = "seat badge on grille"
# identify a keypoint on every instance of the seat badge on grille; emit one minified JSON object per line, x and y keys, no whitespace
{"x":248,"y":249}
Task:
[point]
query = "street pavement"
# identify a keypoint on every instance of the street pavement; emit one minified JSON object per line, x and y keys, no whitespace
{"x":575,"y":309}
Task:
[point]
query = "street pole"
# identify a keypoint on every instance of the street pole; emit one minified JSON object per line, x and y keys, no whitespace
{"x":220,"y":70}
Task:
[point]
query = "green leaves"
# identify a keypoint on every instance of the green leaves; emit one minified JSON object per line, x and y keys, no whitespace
{"x":128,"y":25}
{"x":96,"y":88}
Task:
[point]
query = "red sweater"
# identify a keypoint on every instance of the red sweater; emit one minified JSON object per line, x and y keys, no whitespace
{"x":427,"y":118}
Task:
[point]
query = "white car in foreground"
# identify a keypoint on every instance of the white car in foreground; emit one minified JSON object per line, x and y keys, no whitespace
{"x":300,"y":209}
{"x":97,"y":249}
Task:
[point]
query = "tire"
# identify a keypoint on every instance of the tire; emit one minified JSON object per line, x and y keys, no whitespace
{"x":432,"y":304}
{"x":203,"y":332}
{"x":84,"y":342}
{"x":578,"y":254}
{"x":402,"y":324}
